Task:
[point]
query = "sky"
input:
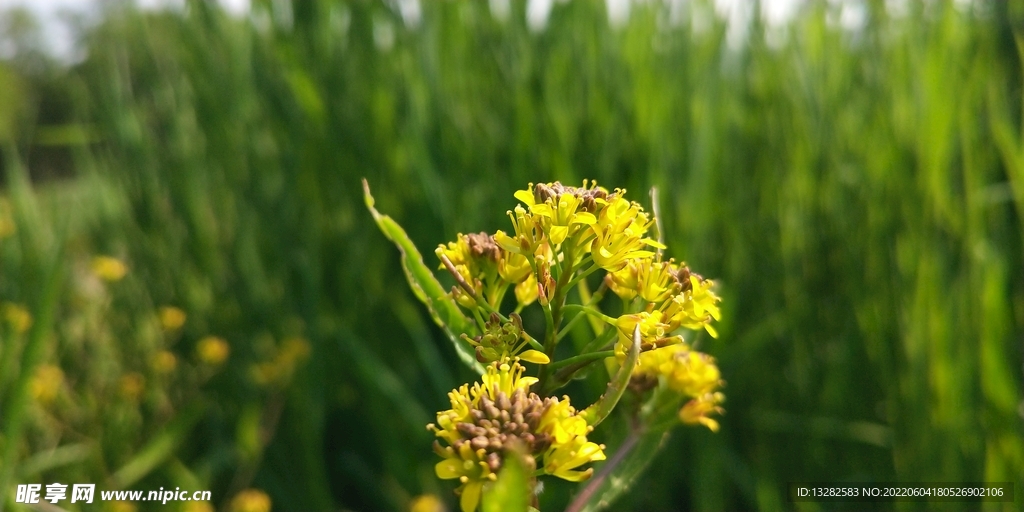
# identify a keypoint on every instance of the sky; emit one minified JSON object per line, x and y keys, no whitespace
{"x":61,"y":42}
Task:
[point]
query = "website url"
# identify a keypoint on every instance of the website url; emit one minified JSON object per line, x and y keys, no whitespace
{"x":56,"y":492}
{"x":162,"y":496}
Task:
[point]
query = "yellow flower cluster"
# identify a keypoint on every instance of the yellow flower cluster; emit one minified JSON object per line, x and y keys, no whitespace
{"x":561,"y":235}
{"x":500,"y":414}
{"x":250,"y":500}
{"x":674,"y":298}
{"x":689,"y":373}
{"x":108,"y":268}
{"x":557,"y":221}
{"x":16,"y":316}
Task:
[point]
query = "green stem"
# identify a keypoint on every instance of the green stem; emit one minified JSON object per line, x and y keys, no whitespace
{"x":600,"y":341}
{"x":591,"y":300}
{"x":533,"y":343}
{"x":591,"y":311}
{"x":582,"y":358}
{"x":479,"y":320}
{"x":577,"y":279}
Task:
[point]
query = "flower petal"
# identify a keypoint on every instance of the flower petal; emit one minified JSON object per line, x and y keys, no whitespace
{"x":558,"y":234}
{"x":525,"y":196}
{"x":535,"y":357}
{"x":585,"y":218}
{"x":448,"y":469}
{"x":470,"y":496}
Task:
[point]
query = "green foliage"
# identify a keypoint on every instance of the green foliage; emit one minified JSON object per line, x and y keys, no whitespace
{"x":858,"y":195}
{"x":428,"y":290}
{"x":511,"y":491}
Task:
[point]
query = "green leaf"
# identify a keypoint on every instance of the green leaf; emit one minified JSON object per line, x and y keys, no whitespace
{"x":426,"y":287}
{"x":511,"y":492}
{"x":600,"y":410}
{"x":621,"y":470}
{"x":160,"y":448}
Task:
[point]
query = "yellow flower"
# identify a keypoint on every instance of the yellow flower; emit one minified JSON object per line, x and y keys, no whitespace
{"x":280,"y":369}
{"x":694,"y":373}
{"x":689,"y":373}
{"x":108,"y":268}
{"x":475,"y":257}
{"x":695,"y":306}
{"x":514,"y":267}
{"x":562,"y":459}
{"x":250,"y":500}
{"x":625,"y":281}
{"x":198,"y":506}
{"x":570,"y":448}
{"x":213,"y":350}
{"x":18,"y":317}
{"x":528,"y":233}
{"x":427,"y":503}
{"x":562,"y":216}
{"x":653,"y":332}
{"x":619,"y":231}
{"x":697,"y":410}
{"x":526,"y":291}
{"x":656,"y":280}
{"x":132,"y":385}
{"x":121,"y":506}
{"x":498,"y":413}
{"x":171,"y":318}
{"x":164,"y":362}
{"x":46,"y":383}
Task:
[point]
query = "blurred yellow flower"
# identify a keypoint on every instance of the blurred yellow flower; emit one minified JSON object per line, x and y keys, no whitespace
{"x":132,"y":385}
{"x":689,"y":373}
{"x":427,"y":503}
{"x":164,"y":362}
{"x":7,"y":225}
{"x":108,"y":268}
{"x":18,"y":317}
{"x":250,"y":500}
{"x":279,"y":370}
{"x":198,"y":506}
{"x":696,"y":411}
{"x":171,"y":318}
{"x":46,"y":383}
{"x":121,"y":506}
{"x":294,"y":350}
{"x":213,"y":350}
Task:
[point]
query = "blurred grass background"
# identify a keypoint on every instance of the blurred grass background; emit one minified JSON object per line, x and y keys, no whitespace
{"x":857,"y":192}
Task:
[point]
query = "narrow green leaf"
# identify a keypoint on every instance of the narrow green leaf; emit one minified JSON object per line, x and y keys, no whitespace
{"x":56,"y":458}
{"x":621,"y":470}
{"x":160,"y":448}
{"x":600,"y":410}
{"x":425,"y":286}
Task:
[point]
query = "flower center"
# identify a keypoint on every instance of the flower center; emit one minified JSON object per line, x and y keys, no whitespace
{"x":506,"y":423}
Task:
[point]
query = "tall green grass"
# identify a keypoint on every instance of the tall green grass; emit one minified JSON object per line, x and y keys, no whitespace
{"x":858,"y":195}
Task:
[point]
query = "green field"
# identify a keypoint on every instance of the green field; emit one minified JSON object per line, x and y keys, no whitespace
{"x":856,"y":192}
